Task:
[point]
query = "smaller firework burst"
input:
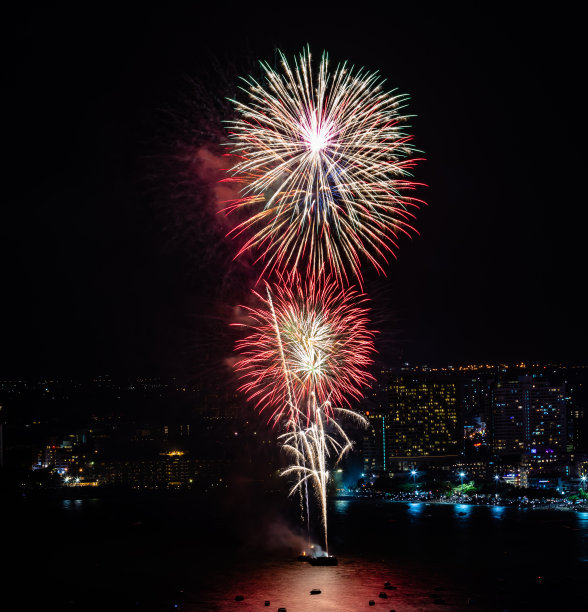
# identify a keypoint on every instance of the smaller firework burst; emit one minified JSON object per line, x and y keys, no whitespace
{"x":309,"y":342}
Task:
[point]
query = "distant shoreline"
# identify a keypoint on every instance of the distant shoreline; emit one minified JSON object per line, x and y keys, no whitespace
{"x":448,"y":502}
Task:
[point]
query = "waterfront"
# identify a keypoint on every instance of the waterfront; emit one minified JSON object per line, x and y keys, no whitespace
{"x":154,"y":552}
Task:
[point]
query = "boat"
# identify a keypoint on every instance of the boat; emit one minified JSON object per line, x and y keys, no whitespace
{"x":383,"y":595}
{"x":326,"y":560}
{"x":315,"y":592}
{"x":239,"y":598}
{"x":304,"y":557}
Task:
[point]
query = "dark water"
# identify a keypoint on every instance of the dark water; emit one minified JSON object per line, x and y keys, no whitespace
{"x":157,"y":552}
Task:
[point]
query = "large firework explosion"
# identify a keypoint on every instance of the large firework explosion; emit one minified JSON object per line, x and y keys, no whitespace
{"x":324,"y":163}
{"x":309,"y":342}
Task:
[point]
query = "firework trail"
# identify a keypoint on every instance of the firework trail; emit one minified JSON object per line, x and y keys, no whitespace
{"x":324,"y":165}
{"x":311,"y":447}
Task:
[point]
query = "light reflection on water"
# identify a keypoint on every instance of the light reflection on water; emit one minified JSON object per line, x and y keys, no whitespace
{"x":416,"y":508}
{"x":463,"y":510}
{"x":582,"y":521}
{"x":497,"y":511}
{"x":346,"y":588}
{"x":429,"y":551}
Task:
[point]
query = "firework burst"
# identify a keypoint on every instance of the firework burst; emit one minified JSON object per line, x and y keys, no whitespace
{"x":324,"y":164}
{"x":309,"y":342}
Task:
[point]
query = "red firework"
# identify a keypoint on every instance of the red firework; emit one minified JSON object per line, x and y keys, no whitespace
{"x":309,"y":344}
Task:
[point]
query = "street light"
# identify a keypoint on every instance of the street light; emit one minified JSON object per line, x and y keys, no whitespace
{"x":496,"y":479}
{"x":461,"y":475}
{"x":583,"y":479}
{"x":413,"y":472}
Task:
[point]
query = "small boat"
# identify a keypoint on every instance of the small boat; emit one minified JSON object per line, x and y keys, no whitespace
{"x":383,"y":595}
{"x":315,"y":592}
{"x":327,"y":560}
{"x":371,"y":602}
{"x":239,"y":598}
{"x":281,"y":609}
{"x":267,"y":602}
{"x":304,"y":557}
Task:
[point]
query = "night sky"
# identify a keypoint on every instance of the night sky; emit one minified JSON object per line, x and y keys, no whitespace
{"x":114,"y":259}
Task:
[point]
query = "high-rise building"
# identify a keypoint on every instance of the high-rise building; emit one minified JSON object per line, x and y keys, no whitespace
{"x":546,"y":420}
{"x":528,"y":416}
{"x":473,"y":394}
{"x":509,"y":399}
{"x":418,"y":422}
{"x":423,"y":416}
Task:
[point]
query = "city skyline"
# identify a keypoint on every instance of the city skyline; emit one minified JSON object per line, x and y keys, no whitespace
{"x":417,"y":415}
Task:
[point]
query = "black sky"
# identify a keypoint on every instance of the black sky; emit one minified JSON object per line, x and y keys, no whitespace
{"x":101,"y":273}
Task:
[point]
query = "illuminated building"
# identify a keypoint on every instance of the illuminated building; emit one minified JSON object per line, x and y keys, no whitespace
{"x":528,"y":416}
{"x":423,"y":417}
{"x":508,"y":430}
{"x":546,"y":417}
{"x":474,"y":409}
{"x":168,"y":470}
{"x":418,"y":423}
{"x":374,"y":444}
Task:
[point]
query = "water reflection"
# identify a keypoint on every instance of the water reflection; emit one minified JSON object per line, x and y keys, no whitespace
{"x":431,"y":557}
{"x":498,"y":511}
{"x":582,"y":518}
{"x":463,"y":510}
{"x":349,"y":587}
{"x":72,"y":504}
{"x":415,"y":509}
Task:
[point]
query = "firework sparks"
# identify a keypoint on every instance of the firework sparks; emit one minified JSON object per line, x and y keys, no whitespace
{"x":311,"y":447}
{"x":309,"y":342}
{"x":325,"y":164}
